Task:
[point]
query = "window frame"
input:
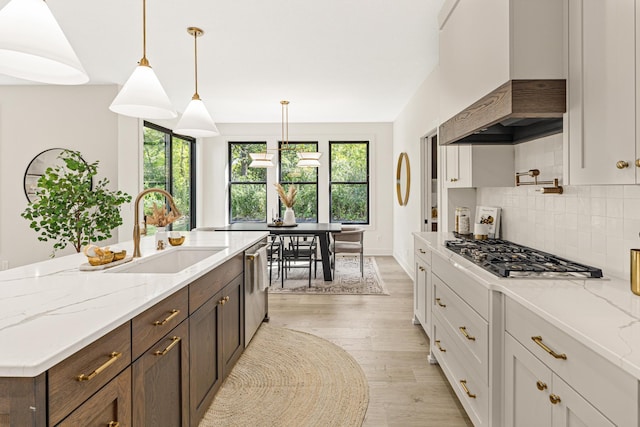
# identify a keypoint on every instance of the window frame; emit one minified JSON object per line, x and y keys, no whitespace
{"x":292,"y":144}
{"x":231,"y":182}
{"x":168,"y":152}
{"x":367,"y":182}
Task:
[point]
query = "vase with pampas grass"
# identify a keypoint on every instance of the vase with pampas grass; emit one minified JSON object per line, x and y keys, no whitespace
{"x":288,"y":198}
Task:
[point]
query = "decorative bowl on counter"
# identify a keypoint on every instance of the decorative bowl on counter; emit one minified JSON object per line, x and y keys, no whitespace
{"x":176,"y":241}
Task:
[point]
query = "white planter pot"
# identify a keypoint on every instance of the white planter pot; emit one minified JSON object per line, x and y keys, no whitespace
{"x":289,"y":217}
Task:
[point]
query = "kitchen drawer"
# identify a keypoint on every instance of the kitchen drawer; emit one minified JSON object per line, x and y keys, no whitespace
{"x":148,"y":327}
{"x":421,"y":250}
{"x":604,"y":385}
{"x":459,"y":374}
{"x":76,"y":378}
{"x":470,"y":331}
{"x":111,"y":406}
{"x":472,"y":292}
{"x":200,"y":290}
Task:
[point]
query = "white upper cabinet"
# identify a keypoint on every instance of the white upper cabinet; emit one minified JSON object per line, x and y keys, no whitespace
{"x":469,"y":166}
{"x":483,"y":44}
{"x":602,"y":112}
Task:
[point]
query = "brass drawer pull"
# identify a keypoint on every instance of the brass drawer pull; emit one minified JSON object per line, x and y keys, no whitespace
{"x":440,"y":304}
{"x":112,"y":359}
{"x":554,"y":398}
{"x":437,"y":342}
{"x":541,"y":386}
{"x":463,"y":383}
{"x":621,"y":164}
{"x":113,"y":424}
{"x":463,"y":329}
{"x":174,"y":341}
{"x":421,"y":268}
{"x":538,"y":340}
{"x":173,"y":314}
{"x":422,"y":251}
{"x":224,"y":300}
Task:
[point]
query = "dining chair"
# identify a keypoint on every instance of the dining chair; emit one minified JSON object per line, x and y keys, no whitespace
{"x":298,"y":251}
{"x":349,"y":240}
{"x":274,"y":253}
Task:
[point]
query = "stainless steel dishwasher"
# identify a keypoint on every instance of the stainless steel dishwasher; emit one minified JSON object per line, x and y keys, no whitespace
{"x":256,"y":282}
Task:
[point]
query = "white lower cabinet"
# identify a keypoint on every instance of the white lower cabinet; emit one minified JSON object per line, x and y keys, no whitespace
{"x":552,"y":380}
{"x":422,"y":287}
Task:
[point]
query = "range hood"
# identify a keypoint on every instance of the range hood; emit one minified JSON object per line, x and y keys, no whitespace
{"x":516,"y":112}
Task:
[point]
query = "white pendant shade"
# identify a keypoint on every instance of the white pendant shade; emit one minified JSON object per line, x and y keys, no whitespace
{"x":33,"y":46}
{"x":309,"y":160}
{"x":143,"y":96}
{"x":261,"y":160}
{"x":196,"y":121}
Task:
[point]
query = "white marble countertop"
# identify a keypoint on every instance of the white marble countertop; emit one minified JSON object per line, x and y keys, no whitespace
{"x":603,"y":314}
{"x":51,"y":309}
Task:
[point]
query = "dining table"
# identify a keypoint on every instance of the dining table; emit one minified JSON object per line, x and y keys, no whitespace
{"x":319,"y":229}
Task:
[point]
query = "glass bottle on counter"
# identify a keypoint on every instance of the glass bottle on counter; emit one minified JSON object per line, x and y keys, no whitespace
{"x":463,"y":220}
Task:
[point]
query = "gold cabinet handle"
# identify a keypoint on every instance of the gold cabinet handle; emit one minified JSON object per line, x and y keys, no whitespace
{"x":174,"y":342}
{"x":554,"y":398}
{"x":421,"y":268}
{"x":422,"y":251}
{"x":453,"y":179}
{"x":463,"y":329}
{"x":622,"y":164}
{"x":638,"y":163}
{"x":463,"y":383}
{"x":226,"y":299}
{"x":541,"y":386}
{"x":173,"y":314}
{"x":113,"y":356}
{"x":222,"y":301}
{"x":538,"y":340}
{"x":440,"y":304}
{"x":437,"y":342}
{"x":113,"y":424}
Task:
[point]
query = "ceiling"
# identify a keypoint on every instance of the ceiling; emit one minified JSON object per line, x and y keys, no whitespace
{"x":334,"y":60}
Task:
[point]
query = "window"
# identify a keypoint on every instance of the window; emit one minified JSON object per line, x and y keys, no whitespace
{"x":169,"y":163}
{"x":349,"y":182}
{"x":247,"y":186}
{"x":305,"y":179}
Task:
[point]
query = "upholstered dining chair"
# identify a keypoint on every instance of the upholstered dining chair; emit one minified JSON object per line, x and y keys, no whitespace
{"x":298,"y":251}
{"x":350,"y":240}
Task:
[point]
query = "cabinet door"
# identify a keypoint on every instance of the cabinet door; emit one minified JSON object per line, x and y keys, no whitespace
{"x":602,"y":95}
{"x":161,"y":382}
{"x":110,"y":406}
{"x":527,"y":383}
{"x":232,"y":324}
{"x":572,"y":410}
{"x":457,"y":166}
{"x":422,"y":295}
{"x":205,"y":369}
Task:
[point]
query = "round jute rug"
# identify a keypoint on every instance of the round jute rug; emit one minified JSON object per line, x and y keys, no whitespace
{"x":291,"y":378}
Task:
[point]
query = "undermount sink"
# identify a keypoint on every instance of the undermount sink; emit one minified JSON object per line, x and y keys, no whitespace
{"x":172,"y":261}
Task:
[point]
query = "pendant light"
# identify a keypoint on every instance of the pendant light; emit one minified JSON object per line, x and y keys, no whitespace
{"x":261,"y":160}
{"x":142,"y":95}
{"x":196,"y":120}
{"x":33,"y":46}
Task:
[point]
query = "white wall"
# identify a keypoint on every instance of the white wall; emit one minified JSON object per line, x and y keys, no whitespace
{"x":34,"y":119}
{"x":418,"y":119}
{"x":213,"y":188}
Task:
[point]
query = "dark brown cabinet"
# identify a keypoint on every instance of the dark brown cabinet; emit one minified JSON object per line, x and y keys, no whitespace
{"x":160,"y":382}
{"x":217,"y":341}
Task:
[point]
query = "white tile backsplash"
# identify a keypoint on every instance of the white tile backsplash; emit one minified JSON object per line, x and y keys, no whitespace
{"x":596,"y":225}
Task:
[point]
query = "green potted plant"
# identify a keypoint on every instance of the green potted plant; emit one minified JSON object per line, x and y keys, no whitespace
{"x":69,"y":209}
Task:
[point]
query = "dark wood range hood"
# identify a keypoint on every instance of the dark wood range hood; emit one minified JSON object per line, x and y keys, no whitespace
{"x":516,"y":112}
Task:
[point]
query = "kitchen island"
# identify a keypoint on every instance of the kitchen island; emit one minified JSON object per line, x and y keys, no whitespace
{"x":564,"y":348}
{"x":51,"y":312}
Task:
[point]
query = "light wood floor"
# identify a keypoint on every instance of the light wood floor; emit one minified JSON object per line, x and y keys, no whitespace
{"x":404,"y":390}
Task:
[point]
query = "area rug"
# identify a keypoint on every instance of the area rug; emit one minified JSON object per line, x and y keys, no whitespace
{"x":347,"y":280}
{"x":291,"y":378}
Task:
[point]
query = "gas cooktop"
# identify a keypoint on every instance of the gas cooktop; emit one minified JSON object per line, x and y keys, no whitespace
{"x":507,"y":259}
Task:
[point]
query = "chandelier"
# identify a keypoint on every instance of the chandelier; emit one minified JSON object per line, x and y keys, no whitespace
{"x":306,"y":159}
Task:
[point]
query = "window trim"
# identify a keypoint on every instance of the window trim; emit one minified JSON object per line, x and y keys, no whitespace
{"x":367,"y":182}
{"x":168,"y":147}
{"x":231,"y":182}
